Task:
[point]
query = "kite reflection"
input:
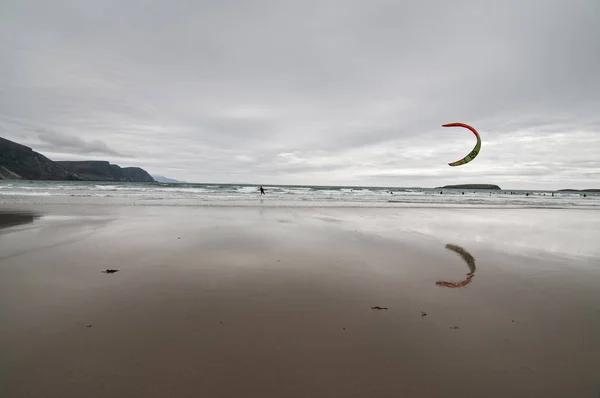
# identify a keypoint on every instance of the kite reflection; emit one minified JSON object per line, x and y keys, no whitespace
{"x":469,"y":259}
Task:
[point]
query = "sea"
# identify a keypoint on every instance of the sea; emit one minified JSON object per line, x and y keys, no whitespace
{"x":181,"y":194}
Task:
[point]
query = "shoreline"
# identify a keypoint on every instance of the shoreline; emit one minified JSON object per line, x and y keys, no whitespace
{"x":462,"y":186}
{"x":33,"y":201}
{"x":142,"y":194}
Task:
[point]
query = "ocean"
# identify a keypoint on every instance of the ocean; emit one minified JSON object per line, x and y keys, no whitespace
{"x":63,"y":192}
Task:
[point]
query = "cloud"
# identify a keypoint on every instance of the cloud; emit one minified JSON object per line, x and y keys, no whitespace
{"x":355,"y":91}
{"x":57,"y":142}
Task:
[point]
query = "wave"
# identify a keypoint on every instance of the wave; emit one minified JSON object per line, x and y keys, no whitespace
{"x":241,"y":193}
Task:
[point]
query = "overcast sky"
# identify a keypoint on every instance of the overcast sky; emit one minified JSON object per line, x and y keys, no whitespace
{"x":309,"y":92}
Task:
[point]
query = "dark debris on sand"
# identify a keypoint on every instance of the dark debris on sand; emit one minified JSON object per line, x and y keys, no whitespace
{"x":378,"y":308}
{"x":423,"y":313}
{"x":110,"y":271}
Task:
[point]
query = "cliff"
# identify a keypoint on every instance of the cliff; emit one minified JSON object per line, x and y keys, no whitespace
{"x":20,"y":162}
{"x":101,"y":170}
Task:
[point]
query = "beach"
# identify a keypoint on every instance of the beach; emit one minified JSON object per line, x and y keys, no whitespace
{"x":267,"y":301}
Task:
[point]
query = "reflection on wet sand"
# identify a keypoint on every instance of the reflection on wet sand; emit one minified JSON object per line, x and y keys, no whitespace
{"x":469,"y":259}
{"x":13,"y":218}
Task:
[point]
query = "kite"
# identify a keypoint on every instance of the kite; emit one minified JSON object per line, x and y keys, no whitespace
{"x":475,"y":150}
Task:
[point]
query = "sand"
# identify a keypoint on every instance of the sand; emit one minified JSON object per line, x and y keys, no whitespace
{"x":271,"y":302}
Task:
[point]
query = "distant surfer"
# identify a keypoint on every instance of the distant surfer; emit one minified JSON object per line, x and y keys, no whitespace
{"x":262,"y":191}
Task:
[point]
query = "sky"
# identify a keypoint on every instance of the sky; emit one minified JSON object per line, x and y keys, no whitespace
{"x":328,"y":92}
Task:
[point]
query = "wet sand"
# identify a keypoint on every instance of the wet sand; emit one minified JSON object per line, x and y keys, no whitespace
{"x":269,"y":302}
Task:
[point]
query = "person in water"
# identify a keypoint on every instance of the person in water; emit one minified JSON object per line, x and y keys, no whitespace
{"x":262,"y":191}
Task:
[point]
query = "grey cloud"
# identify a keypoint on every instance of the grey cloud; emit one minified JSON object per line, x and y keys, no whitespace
{"x":75,"y":144}
{"x":357,"y":91}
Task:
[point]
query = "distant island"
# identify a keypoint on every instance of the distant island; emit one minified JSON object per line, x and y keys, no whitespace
{"x":21,"y":162}
{"x":167,"y":180}
{"x":580,"y":190}
{"x":471,"y":186}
